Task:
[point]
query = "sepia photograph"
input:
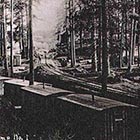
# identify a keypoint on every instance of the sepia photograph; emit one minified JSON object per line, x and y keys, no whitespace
{"x":69,"y":69}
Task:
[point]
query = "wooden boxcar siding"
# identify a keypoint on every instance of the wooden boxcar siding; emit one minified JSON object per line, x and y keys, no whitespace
{"x":33,"y":102}
{"x":36,"y":112}
{"x":13,"y":93}
{"x":117,"y":123}
{"x":120,"y":123}
{"x":80,"y":120}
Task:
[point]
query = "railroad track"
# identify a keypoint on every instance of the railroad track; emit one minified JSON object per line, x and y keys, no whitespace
{"x":67,"y":81}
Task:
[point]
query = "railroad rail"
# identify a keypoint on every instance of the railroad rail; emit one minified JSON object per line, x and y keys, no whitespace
{"x":70,"y":82}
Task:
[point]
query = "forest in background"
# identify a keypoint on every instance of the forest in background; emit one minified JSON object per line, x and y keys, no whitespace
{"x":107,"y":32}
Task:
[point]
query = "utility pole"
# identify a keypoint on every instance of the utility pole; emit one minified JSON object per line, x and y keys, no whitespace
{"x":31,"y":51}
{"x":72,"y":33}
{"x":104,"y":48}
{"x":11,"y":49}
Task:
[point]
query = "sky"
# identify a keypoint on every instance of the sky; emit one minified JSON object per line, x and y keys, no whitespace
{"x":46,"y":15}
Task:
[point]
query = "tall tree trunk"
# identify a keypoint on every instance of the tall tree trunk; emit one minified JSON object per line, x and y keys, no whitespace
{"x":109,"y":55}
{"x":67,"y":20}
{"x":122,"y":41}
{"x":131,"y":46}
{"x":1,"y":30}
{"x":134,"y":18}
{"x":134,"y":41}
{"x":139,"y":36}
{"x":104,"y":48}
{"x":72,"y":36}
{"x":125,"y":31}
{"x":27,"y":31}
{"x":100,"y":41}
{"x":11,"y":49}
{"x":139,"y":51}
{"x":94,"y":46}
{"x":22,"y":35}
{"x":5,"y":41}
{"x":31,"y":52}
{"x":1,"y":38}
{"x":81,"y":31}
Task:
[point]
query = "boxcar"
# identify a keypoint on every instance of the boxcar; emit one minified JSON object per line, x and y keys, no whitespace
{"x":76,"y":116}
{"x":101,"y":119}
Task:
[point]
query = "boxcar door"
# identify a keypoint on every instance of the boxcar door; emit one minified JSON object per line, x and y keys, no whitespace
{"x":119,"y":125}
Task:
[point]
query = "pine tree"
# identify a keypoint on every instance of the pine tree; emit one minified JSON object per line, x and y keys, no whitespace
{"x":104,"y":48}
{"x":31,"y":51}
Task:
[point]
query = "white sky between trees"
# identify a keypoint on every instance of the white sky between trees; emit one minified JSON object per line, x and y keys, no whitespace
{"x":46,"y":15}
